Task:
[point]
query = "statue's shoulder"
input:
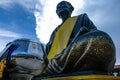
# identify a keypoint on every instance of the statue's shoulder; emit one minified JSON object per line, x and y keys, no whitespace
{"x":81,"y":15}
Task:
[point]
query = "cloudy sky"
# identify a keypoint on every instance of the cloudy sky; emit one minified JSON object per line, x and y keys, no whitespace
{"x":36,"y":19}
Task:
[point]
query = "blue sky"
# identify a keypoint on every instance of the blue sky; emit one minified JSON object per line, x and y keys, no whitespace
{"x":18,"y":20}
{"x":36,"y":19}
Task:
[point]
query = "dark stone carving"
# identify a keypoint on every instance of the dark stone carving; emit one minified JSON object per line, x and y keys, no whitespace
{"x":88,"y":47}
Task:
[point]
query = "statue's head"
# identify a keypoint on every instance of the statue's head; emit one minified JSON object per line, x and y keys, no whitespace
{"x":64,"y":8}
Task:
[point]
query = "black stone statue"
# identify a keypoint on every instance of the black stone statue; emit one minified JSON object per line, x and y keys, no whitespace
{"x":87,"y":48}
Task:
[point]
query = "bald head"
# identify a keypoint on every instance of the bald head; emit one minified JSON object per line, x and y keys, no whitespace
{"x":64,"y":8}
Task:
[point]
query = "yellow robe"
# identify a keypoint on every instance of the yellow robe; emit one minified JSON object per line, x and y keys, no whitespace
{"x":62,"y":37}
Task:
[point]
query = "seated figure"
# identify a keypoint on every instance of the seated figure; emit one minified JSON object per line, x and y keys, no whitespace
{"x":77,"y":45}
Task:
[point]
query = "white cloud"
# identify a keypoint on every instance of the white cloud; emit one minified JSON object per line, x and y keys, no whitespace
{"x":10,"y":34}
{"x":28,"y":4}
{"x":48,"y":20}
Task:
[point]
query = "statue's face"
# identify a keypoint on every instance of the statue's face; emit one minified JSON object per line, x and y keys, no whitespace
{"x":64,"y":8}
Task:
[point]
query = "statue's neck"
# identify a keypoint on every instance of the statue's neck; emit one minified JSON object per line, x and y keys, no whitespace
{"x":64,"y":18}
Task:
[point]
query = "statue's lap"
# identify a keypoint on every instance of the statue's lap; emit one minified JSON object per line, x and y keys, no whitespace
{"x":96,"y":51}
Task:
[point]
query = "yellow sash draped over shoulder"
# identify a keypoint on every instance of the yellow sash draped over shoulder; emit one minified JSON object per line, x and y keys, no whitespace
{"x":62,"y":37}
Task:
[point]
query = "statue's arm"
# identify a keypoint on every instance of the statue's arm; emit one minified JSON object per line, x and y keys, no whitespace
{"x":85,"y":24}
{"x":88,"y":23}
{"x":59,"y":63}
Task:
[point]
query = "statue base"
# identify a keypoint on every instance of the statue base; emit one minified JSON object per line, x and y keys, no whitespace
{"x":83,"y":75}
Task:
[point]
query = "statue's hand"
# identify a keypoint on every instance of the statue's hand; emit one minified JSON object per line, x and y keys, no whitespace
{"x":83,"y":30}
